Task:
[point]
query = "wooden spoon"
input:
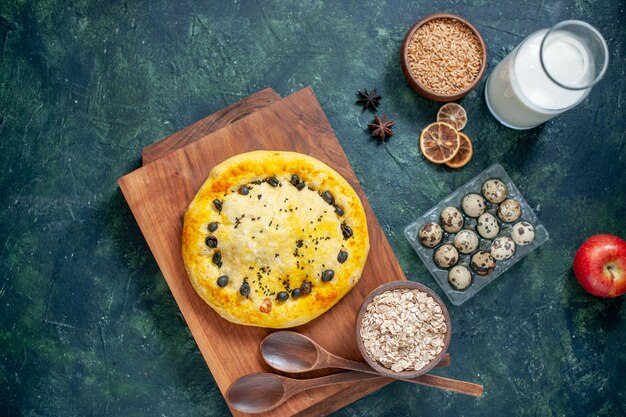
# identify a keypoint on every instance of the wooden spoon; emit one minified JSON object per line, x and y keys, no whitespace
{"x":257,"y":393}
{"x":294,"y":352}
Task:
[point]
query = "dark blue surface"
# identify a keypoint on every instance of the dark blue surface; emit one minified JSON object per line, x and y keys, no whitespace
{"x":87,"y":323}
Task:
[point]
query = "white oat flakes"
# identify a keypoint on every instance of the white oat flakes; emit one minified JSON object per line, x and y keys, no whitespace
{"x":403,"y":329}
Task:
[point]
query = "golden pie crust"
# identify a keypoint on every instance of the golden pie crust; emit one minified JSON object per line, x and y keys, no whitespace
{"x":288,"y":232}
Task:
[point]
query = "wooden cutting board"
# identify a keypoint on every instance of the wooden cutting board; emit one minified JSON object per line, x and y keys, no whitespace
{"x":158,"y":195}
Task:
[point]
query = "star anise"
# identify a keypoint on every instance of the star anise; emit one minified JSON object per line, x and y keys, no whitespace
{"x":368,"y":99}
{"x":381,"y":127}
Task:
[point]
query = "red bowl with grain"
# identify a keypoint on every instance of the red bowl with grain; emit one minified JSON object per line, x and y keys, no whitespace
{"x":443,"y":57}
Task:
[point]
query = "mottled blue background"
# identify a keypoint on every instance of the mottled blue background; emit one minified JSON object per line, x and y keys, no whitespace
{"x":88,"y":326}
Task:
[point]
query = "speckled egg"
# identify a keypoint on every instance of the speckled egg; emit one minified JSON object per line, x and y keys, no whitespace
{"x":446,"y":256}
{"x":495,"y":191}
{"x":430,"y":235}
{"x":502,"y":248}
{"x":523,"y":233}
{"x":510,"y":210}
{"x":459,"y":277}
{"x":466,"y":241}
{"x":451,"y":219}
{"x":473,"y":205}
{"x":482,"y":263}
{"x":487,"y":226}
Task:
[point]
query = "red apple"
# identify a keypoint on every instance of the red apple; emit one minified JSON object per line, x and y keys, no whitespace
{"x":600,"y":265}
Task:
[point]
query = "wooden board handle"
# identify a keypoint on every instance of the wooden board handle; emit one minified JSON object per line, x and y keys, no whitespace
{"x":209,"y":124}
{"x":449,"y":384}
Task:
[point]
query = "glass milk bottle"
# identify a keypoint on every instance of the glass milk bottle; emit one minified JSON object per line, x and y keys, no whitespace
{"x":551,"y":71}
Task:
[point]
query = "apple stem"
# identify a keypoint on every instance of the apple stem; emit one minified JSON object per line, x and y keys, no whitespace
{"x":610,"y":269}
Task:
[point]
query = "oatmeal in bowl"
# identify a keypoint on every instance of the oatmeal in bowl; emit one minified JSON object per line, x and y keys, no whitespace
{"x":403,"y":329}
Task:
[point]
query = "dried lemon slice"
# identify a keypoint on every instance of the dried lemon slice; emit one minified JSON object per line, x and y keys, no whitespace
{"x":453,"y":114}
{"x":464,"y":154}
{"x":439,"y":142}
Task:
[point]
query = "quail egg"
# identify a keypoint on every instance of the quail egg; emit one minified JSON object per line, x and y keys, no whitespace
{"x":523,"y":233}
{"x":502,"y":248}
{"x":459,"y":277}
{"x":510,"y":210}
{"x":466,"y":241}
{"x":430,"y":234}
{"x":483,"y":263}
{"x":487,"y":226}
{"x":473,"y":205}
{"x":451,"y":219}
{"x":446,"y":256}
{"x":495,"y":191}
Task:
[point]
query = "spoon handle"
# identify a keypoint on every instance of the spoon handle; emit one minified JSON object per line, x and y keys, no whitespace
{"x":429,"y":380}
{"x":434,"y":381}
{"x":448,"y":384}
{"x":297,"y":385}
{"x":339,"y":362}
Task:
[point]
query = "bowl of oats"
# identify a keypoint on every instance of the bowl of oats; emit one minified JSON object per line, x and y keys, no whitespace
{"x":443,"y":57}
{"x":403,"y":329}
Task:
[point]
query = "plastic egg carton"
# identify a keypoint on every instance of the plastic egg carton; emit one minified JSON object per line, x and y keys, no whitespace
{"x":458,"y":297}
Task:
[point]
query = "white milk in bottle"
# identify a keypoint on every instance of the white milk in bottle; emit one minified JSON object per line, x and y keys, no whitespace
{"x":521,"y":95}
